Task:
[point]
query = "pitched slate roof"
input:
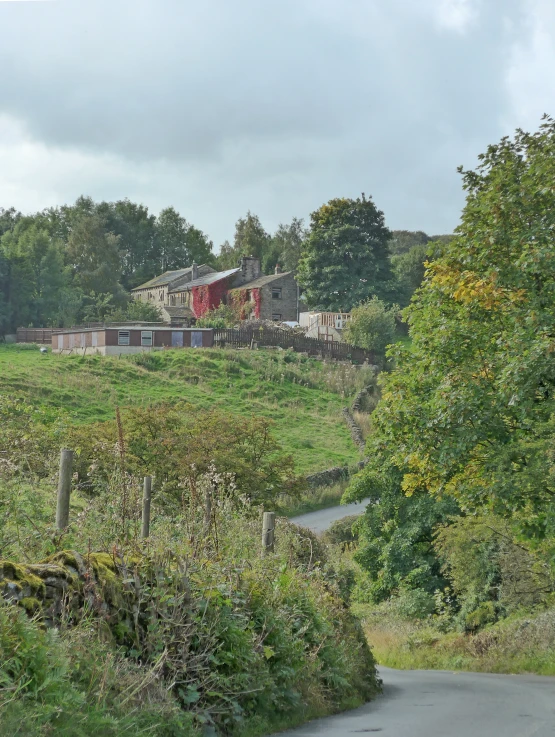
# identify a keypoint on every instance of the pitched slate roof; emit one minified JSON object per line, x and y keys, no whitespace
{"x":170,"y":276}
{"x":263,"y":280}
{"x":178,"y":310}
{"x":205,"y":280}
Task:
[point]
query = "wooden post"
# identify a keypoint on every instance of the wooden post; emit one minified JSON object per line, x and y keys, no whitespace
{"x":64,"y":489}
{"x":268,"y":527}
{"x":147,"y":494}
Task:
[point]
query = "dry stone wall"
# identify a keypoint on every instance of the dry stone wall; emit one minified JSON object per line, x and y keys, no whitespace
{"x":67,"y":582}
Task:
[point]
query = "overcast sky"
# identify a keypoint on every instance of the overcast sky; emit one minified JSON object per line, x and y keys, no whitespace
{"x":221,"y":106}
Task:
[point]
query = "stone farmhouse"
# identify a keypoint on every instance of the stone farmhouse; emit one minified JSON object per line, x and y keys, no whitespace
{"x":184,"y":295}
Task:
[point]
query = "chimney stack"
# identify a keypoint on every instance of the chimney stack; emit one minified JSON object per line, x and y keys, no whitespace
{"x":277,"y":269}
{"x":250,"y":269}
{"x":194,"y":271}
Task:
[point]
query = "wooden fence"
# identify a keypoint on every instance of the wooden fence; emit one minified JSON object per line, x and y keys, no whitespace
{"x":34,"y":335}
{"x":245,"y":336}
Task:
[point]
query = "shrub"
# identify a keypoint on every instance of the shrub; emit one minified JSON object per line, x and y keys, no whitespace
{"x":237,"y":639}
{"x":372,"y":325}
{"x":219,"y":318}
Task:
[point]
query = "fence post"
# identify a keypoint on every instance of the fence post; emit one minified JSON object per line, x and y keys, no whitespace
{"x":147,"y":494}
{"x":268,"y":527}
{"x":64,"y":489}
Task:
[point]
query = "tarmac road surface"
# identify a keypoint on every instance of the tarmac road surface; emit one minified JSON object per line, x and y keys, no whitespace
{"x":444,"y":704}
{"x":439,"y":703}
{"x":321,"y":520}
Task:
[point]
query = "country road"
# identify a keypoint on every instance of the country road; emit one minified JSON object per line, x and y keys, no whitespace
{"x":445,"y":704}
{"x":439,"y":703}
{"x":321,"y":520}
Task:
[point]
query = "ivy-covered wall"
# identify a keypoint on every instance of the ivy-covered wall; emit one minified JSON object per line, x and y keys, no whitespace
{"x":208,"y":296}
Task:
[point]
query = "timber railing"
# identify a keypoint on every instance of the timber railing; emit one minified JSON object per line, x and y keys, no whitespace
{"x":245,"y":337}
{"x":34,"y":335}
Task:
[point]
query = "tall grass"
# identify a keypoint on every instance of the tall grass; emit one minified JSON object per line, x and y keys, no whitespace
{"x":523,"y":643}
{"x":303,"y":396}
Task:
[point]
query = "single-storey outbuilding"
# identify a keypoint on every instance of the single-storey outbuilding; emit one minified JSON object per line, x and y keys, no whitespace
{"x":124,"y":339}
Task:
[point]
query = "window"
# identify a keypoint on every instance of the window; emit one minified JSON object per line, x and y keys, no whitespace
{"x":276,"y":292}
{"x":146,"y":337}
{"x":276,"y":317}
{"x":124,"y":337}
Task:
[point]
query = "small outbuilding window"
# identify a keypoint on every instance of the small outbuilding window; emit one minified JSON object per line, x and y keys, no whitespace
{"x":146,"y":337}
{"x":124,"y":337}
{"x":277,"y":317}
{"x":276,"y":292}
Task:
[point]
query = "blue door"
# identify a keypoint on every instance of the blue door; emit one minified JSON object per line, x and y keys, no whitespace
{"x":177,"y":339}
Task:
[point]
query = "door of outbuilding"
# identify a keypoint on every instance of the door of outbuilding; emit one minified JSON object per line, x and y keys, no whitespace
{"x":177,"y":339}
{"x":196,"y":339}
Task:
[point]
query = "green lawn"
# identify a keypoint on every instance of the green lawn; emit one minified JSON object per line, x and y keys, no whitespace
{"x":303,"y":396}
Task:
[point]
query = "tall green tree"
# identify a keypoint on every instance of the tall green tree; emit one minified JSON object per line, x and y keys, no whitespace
{"x":408,"y":270}
{"x":286,"y":246}
{"x":402,"y":241}
{"x":227,"y":258}
{"x":94,"y":258}
{"x":469,"y":411}
{"x":36,"y":273}
{"x":135,"y":228}
{"x":346,"y":257}
{"x":8,"y":219}
{"x":250,"y":237}
{"x":178,"y":243}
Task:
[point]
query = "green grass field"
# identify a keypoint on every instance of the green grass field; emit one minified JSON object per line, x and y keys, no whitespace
{"x":303,"y":396}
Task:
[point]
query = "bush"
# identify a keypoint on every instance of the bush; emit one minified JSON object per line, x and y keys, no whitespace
{"x":372,"y":325}
{"x":341,"y":531}
{"x":219,"y":318}
{"x":415,"y":603}
{"x":237,"y":639}
{"x":73,"y":685}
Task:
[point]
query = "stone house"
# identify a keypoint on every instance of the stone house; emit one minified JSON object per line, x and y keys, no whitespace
{"x":273,"y":297}
{"x":157,"y":291}
{"x":189,"y":293}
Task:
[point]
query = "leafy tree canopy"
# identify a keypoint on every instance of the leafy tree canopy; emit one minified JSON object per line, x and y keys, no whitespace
{"x":286,"y":246}
{"x":469,"y":410}
{"x":402,"y":241}
{"x":179,"y":243}
{"x":345,"y":258}
{"x":372,"y":325}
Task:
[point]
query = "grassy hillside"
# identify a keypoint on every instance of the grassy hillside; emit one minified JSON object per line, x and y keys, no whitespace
{"x":302,"y":395}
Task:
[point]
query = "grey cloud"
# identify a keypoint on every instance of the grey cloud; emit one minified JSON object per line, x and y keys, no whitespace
{"x":277,"y":99}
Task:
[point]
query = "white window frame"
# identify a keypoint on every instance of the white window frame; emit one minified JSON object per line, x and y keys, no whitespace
{"x":278,"y":294}
{"x":124,"y":337}
{"x":147,"y":335}
{"x":276,"y":317}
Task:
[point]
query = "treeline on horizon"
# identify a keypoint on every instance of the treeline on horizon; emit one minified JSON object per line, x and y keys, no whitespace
{"x":77,"y":263}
